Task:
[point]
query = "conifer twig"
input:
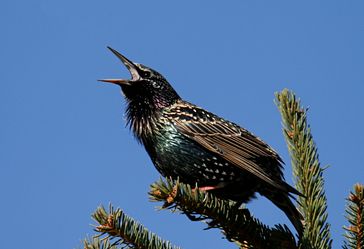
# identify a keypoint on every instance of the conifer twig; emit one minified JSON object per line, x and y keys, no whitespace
{"x":123,"y":230}
{"x":97,"y":243}
{"x":307,"y":171}
{"x":355,"y":215}
{"x":237,"y":224}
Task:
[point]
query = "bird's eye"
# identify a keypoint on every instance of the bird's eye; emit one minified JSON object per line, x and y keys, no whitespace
{"x":146,"y":74}
{"x":156,"y":84}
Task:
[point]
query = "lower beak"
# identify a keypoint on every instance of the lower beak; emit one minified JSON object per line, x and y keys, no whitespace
{"x":116,"y":81}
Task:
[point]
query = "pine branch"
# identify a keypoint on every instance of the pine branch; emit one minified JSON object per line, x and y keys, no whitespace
{"x":123,"y":230}
{"x":307,"y":171}
{"x":355,"y":215}
{"x":237,"y":224}
{"x":97,"y":243}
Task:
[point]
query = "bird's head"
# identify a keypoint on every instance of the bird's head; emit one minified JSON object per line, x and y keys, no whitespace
{"x":147,"y":94}
{"x":147,"y":88}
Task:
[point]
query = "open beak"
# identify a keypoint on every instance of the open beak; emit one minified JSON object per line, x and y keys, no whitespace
{"x":131,"y":67}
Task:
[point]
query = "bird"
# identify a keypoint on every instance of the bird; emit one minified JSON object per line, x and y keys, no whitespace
{"x":189,"y":143}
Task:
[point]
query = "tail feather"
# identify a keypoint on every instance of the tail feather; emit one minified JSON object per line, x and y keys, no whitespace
{"x":283,"y":201}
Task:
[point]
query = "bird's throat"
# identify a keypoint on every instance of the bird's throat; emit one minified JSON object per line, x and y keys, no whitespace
{"x":142,"y":117}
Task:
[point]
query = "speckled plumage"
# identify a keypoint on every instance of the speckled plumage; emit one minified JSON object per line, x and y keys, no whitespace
{"x":187,"y":142}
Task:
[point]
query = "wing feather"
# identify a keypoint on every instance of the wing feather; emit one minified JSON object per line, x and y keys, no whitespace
{"x":228,"y":140}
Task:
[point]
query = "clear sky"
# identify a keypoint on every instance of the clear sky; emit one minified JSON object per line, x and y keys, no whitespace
{"x":64,"y":147}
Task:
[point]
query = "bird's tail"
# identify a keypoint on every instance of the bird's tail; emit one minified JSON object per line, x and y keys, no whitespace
{"x":283,"y":201}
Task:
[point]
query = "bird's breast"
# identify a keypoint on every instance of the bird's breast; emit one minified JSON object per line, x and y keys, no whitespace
{"x":176,"y":155}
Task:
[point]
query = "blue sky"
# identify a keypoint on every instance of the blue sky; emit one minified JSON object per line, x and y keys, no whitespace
{"x":64,"y":148}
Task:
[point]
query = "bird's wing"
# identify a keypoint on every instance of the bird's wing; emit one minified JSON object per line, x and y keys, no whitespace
{"x":228,"y":140}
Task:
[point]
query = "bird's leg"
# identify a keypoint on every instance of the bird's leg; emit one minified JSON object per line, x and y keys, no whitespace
{"x":208,"y":188}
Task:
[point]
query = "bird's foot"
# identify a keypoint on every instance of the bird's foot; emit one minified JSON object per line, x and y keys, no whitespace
{"x":208,"y":188}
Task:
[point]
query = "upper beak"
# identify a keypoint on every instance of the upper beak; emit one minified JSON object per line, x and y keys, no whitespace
{"x":131,"y":67}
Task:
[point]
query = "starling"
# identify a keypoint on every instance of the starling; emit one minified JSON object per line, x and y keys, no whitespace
{"x":187,"y":142}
